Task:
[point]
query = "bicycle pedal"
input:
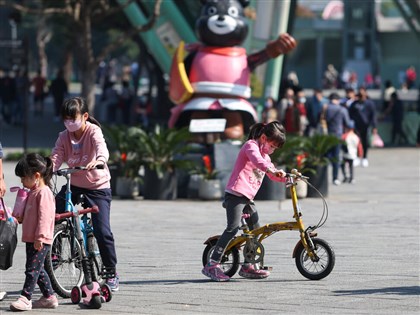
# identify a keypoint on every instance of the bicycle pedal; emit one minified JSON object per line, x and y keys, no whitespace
{"x":268,"y":268}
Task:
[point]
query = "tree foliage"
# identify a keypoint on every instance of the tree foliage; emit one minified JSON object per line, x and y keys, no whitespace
{"x":81,"y":18}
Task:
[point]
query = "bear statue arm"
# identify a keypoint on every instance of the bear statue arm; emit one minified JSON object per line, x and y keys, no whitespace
{"x":282,"y":45}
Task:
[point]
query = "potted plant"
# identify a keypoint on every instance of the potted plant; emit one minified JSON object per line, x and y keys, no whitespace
{"x":309,"y":156}
{"x":161,"y":152}
{"x":123,"y":163}
{"x":288,"y":158}
{"x":314,"y":161}
{"x":209,"y":185}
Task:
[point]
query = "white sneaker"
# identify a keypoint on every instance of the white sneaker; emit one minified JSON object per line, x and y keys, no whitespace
{"x":337,"y":182}
{"x":365,"y":163}
{"x":22,"y":304}
{"x":356,"y":162}
{"x":3,"y":295}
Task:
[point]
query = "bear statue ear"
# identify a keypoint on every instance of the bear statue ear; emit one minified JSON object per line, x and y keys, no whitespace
{"x":244,"y":3}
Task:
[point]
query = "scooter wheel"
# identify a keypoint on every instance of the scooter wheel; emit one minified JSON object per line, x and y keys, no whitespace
{"x":96,"y":302}
{"x":106,"y":292}
{"x":76,"y":295}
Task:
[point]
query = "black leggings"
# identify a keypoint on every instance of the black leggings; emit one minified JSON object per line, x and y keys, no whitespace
{"x":235,"y":207}
{"x":35,"y":272}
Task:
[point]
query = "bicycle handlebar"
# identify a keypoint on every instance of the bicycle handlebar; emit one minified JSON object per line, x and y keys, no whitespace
{"x":71,"y":170}
{"x":69,"y":214}
{"x":295,"y":174}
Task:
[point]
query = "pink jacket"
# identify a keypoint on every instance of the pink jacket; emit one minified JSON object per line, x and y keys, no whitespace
{"x":39,"y":218}
{"x":249,"y":170}
{"x":91,"y":146}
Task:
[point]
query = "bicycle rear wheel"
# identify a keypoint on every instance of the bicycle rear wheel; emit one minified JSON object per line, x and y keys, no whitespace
{"x":63,"y":263}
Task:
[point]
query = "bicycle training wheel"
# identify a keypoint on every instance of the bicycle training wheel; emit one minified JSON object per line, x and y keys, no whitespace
{"x":63,"y":263}
{"x":229,"y":262}
{"x":319,"y":269}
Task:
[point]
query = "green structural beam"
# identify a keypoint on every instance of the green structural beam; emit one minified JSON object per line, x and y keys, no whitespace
{"x":164,"y":37}
{"x":171,"y":12}
{"x":275,"y":67}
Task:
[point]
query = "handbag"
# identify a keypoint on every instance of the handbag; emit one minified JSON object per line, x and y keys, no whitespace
{"x":376,"y":141}
{"x":8,"y":237}
{"x":322,"y":126}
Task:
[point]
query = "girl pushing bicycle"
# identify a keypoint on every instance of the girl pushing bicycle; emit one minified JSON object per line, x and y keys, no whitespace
{"x":38,"y":220}
{"x":83,"y":144}
{"x":251,"y":165}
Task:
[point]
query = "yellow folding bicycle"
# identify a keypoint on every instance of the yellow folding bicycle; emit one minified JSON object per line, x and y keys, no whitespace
{"x":313,"y":256}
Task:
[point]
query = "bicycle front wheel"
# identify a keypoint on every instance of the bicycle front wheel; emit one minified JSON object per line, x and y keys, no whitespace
{"x":95,"y":258}
{"x":319,"y":268}
{"x":63,"y":263}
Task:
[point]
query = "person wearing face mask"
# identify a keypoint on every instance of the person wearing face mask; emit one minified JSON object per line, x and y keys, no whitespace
{"x":251,"y":165}
{"x":83,"y":144}
{"x":295,"y":120}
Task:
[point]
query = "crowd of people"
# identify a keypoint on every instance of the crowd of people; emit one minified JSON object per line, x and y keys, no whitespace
{"x":349,"y":117}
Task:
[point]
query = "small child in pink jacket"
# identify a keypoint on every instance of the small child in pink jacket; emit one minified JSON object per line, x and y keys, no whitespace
{"x":38,"y":220}
{"x":251,"y":165}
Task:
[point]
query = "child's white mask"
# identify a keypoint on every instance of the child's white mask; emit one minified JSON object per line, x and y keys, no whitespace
{"x":73,"y":125}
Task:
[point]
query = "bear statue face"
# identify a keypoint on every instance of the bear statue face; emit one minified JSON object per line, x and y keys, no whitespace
{"x":222,"y":23}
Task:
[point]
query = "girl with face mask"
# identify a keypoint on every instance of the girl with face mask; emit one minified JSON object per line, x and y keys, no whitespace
{"x":83,"y":144}
{"x":251,"y":165}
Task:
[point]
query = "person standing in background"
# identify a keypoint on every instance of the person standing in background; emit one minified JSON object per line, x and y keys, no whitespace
{"x":389,"y":89}
{"x":313,"y":111}
{"x":337,"y":118}
{"x":396,"y":110}
{"x":352,"y":149}
{"x":269,"y":112}
{"x":39,"y":83}
{"x":363,"y":113}
{"x":59,"y":90}
{"x":410,"y":77}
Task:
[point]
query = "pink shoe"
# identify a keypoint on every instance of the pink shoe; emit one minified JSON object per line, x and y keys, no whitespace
{"x":43,"y":302}
{"x":215,"y":272}
{"x":250,"y":272}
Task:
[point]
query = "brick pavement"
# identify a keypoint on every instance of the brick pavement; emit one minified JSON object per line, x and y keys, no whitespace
{"x":373,"y":227}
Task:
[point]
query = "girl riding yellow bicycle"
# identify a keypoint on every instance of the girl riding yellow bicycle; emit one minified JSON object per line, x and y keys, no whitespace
{"x":252,"y":163}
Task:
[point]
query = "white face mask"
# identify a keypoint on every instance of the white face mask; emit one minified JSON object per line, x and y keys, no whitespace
{"x":266,"y":148}
{"x":73,"y":126}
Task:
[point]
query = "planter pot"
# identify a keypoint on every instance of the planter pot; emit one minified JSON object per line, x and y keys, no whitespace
{"x":319,"y":180}
{"x":126,"y":187}
{"x":301,"y":190}
{"x":210,"y":189}
{"x":159,"y":188}
{"x":271,"y":190}
{"x":194,"y":185}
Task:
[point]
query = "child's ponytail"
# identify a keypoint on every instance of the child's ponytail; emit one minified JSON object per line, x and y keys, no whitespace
{"x":256,"y":131}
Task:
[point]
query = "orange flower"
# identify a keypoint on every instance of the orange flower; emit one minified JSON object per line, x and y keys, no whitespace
{"x":207,"y":163}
